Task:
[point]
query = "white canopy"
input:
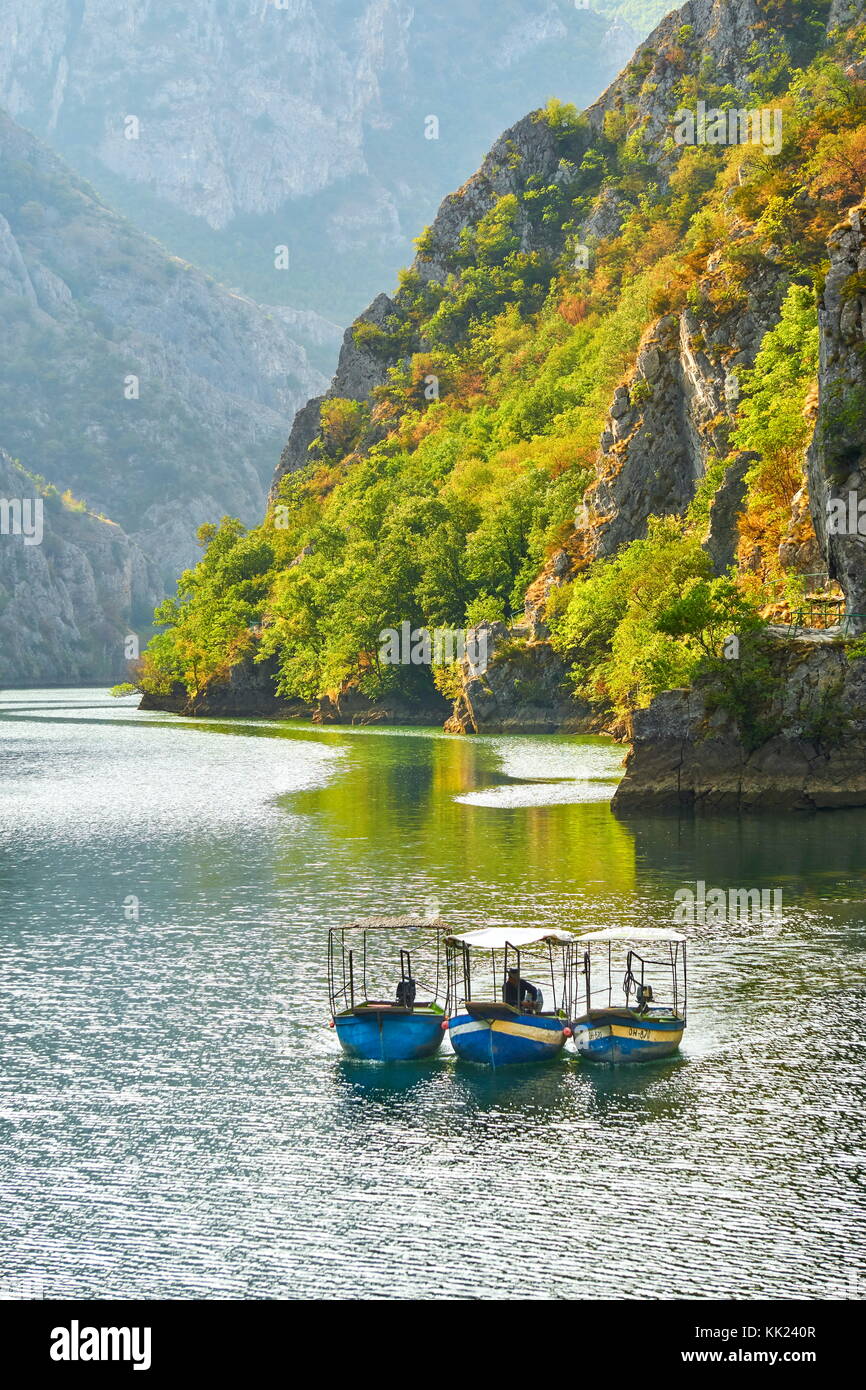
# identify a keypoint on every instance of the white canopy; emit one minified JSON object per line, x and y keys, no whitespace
{"x":633,"y":934}
{"x":497,"y":938}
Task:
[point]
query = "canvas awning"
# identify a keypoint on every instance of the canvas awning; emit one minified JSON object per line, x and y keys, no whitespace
{"x":497,"y":938}
{"x":633,"y":934}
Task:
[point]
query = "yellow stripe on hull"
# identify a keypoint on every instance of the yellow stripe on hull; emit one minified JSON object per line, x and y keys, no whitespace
{"x":499,"y":1041}
{"x":501,"y":1025}
{"x":654,"y":1035}
{"x":625,"y":1042}
{"x":524,"y":1030}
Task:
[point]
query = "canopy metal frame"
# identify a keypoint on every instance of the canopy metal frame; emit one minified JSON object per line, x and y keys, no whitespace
{"x":348,"y":959}
{"x":559,"y":968}
{"x":675,"y":965}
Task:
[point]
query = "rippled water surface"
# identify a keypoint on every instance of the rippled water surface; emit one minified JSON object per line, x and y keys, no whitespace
{"x":175,"y":1116}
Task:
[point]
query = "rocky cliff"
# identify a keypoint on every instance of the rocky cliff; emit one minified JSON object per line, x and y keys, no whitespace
{"x":684,"y":382}
{"x":284,"y":120}
{"x":837,"y":455}
{"x":673,"y":414}
{"x":72,"y":590}
{"x":689,"y":754}
{"x":523,"y":688}
{"x":526,"y":151}
{"x":597,"y":281}
{"x":126,"y":375}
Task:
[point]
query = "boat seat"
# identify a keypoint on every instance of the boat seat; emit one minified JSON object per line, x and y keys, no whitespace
{"x":380,"y":1005}
{"x":628,"y":1015}
{"x":497,"y":1008}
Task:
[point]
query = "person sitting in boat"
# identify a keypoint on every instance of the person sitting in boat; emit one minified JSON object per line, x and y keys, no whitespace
{"x":521,"y":993}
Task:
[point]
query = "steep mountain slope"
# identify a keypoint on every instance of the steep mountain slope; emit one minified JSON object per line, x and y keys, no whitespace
{"x":126,"y":375}
{"x":282,"y":121}
{"x":73,"y":588}
{"x":587,"y":406}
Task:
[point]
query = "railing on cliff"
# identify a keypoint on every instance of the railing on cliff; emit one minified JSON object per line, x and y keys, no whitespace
{"x":823,"y":614}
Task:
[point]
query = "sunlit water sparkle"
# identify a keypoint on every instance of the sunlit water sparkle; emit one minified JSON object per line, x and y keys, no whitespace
{"x":175,"y":1117}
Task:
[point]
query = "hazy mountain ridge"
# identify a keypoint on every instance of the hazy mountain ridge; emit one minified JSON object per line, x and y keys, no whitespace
{"x":296,"y":123}
{"x":127,"y":375}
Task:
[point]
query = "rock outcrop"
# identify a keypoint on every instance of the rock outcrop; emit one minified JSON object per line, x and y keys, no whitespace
{"x":673,"y":417}
{"x":523,"y":688}
{"x":689,"y":754}
{"x":359,"y":371}
{"x":251,"y":690}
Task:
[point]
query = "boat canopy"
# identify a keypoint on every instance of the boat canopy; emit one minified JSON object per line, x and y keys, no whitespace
{"x":633,"y":934}
{"x":497,"y":938}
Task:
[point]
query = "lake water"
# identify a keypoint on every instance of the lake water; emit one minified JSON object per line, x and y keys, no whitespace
{"x":176,"y":1119}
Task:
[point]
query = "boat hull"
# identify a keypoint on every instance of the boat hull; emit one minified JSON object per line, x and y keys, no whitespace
{"x":382,"y":1035}
{"x":498,"y":1042}
{"x":617,"y":1036}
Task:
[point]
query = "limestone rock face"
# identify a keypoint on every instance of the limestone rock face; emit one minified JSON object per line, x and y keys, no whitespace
{"x":68,"y":602}
{"x":522,"y":690}
{"x":671,"y":418}
{"x":359,"y":371}
{"x":304,"y":432}
{"x":685,"y":756}
{"x":606,"y":217}
{"x":722,"y":536}
{"x":845,"y":12}
{"x":649,"y":420}
{"x":724,"y":32}
{"x":837,"y":455}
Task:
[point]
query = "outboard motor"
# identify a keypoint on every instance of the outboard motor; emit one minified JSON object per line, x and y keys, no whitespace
{"x":406,"y":991}
{"x":644,"y":998}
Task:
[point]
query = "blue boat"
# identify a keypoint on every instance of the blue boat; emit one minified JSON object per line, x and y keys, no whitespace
{"x":383,"y":1032}
{"x":499,"y":1016}
{"x":508,"y":1036}
{"x":642,"y":1028}
{"x":405,"y":1027}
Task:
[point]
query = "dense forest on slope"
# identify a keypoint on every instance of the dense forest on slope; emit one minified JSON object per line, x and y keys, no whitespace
{"x":589,"y":401}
